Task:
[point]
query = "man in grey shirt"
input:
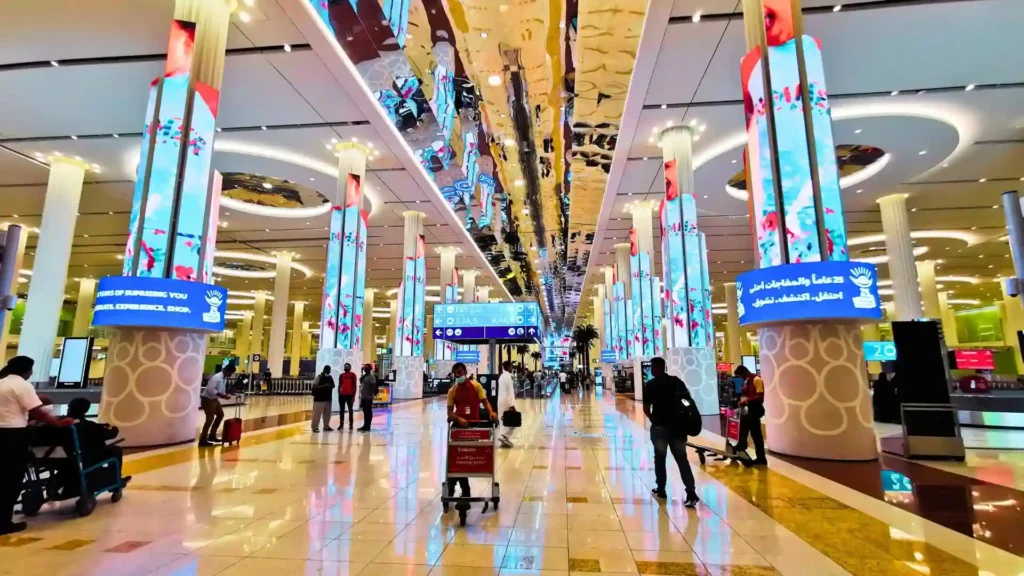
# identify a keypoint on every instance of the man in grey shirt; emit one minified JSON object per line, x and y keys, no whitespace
{"x":209,"y":399}
{"x":367,"y":390}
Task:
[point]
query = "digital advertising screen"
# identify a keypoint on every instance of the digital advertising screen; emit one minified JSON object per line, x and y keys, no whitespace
{"x":967,"y":359}
{"x":159,"y":303}
{"x":808,"y":291}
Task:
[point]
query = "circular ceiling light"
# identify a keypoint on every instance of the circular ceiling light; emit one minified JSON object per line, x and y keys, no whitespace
{"x":230,"y":254}
{"x":494,"y":80}
{"x":883,"y":259}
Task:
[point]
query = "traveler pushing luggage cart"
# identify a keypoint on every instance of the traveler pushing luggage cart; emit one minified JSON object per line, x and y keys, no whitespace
{"x":471,"y":444}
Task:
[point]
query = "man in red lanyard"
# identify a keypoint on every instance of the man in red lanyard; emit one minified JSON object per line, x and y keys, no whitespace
{"x":464,"y":399}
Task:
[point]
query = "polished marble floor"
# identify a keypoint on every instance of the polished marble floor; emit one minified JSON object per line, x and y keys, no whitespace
{"x":575,"y":500}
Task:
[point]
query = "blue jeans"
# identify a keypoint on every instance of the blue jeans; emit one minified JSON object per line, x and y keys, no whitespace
{"x":663,"y":439}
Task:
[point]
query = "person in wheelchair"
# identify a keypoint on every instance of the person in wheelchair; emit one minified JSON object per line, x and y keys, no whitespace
{"x":93,"y":438}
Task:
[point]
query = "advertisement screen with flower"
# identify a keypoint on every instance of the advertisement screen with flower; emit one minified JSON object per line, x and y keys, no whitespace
{"x":329,"y":304}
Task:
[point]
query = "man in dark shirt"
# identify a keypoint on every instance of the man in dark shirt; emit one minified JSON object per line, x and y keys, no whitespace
{"x":663,"y":396}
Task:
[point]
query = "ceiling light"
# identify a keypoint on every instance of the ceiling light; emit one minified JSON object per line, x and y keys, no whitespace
{"x":244,"y":17}
{"x":894,"y":93}
{"x":859,"y":190}
{"x":510,"y":142}
{"x":268,"y":185}
{"x":73,"y":137}
{"x":333,"y":141}
{"x":650,"y":140}
{"x":969,"y":87}
{"x":54,"y":63}
{"x":983,"y":180}
{"x":645,"y":158}
{"x":267,"y":230}
{"x":287,"y":47}
{"x":219,"y":129}
{"x":249,"y":2}
{"x":922,"y":152}
{"x":913,"y":209}
{"x":733,"y":161}
{"x":115,"y":135}
{"x":354,"y":139}
{"x":696,"y":17}
{"x":518,"y":182}
{"x":668,"y":124}
{"x":837,"y":7}
{"x":858,"y":131}
{"x":263,"y":127}
{"x":663,"y":106}
{"x":705,"y":195}
{"x":483,"y":34}
{"x":995,"y":207}
{"x":311,"y":179}
{"x":494,"y":80}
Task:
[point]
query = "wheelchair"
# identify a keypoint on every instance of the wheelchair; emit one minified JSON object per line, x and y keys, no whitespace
{"x":57,"y":472}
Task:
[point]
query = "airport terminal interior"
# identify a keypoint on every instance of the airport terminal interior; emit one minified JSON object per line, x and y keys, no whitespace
{"x":208,"y":205}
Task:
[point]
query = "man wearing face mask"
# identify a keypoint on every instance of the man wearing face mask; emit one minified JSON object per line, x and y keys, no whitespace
{"x":464,"y":400}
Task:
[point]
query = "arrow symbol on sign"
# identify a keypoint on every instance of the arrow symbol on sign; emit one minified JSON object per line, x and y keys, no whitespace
{"x":438,"y":332}
{"x":532,"y":331}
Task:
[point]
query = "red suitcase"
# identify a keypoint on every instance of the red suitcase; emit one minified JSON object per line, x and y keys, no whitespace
{"x":232,"y":431}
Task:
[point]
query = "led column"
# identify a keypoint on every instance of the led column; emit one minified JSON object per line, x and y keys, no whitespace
{"x":610,"y":310}
{"x":806,"y":299}
{"x":409,"y":324}
{"x":732,"y":326}
{"x":646,"y":331}
{"x":369,"y":339}
{"x":163,"y":306}
{"x":623,"y":302}
{"x":341,"y":311}
{"x":296,"y":344}
{"x":83,"y":307}
{"x":279,"y":315}
{"x":689,"y":334}
{"x":50,"y":266}
{"x":899,"y":248}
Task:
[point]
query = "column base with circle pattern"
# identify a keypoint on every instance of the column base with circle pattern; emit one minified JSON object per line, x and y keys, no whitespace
{"x":695,"y":366}
{"x":408,"y":378}
{"x":336,"y":358}
{"x":817,"y":401}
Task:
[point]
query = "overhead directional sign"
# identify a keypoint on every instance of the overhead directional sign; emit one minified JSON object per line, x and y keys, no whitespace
{"x":482,"y":322}
{"x":879,"y":351}
{"x":467,"y":356}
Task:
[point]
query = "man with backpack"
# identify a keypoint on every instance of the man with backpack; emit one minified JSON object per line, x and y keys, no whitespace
{"x":673,"y":415}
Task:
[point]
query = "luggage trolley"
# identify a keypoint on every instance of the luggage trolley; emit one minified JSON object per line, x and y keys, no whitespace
{"x":470,"y":454}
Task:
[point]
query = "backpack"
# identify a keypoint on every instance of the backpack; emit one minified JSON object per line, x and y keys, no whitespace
{"x":689,"y":422}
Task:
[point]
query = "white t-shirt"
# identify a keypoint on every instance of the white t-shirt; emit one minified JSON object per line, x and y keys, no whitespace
{"x":17,"y":397}
{"x":506,"y":391}
{"x":562,"y":377}
{"x":214,"y":386}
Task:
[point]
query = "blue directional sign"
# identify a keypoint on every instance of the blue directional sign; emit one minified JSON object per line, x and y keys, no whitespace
{"x":893,"y":481}
{"x":609,"y":356}
{"x":159,"y":303}
{"x":482,"y":322}
{"x":830,"y":290}
{"x":467,"y":356}
{"x":879,"y":351}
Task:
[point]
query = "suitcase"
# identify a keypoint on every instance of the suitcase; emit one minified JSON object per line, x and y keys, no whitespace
{"x":232,"y":430}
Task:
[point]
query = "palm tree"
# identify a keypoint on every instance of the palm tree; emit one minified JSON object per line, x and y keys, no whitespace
{"x":522,"y":350}
{"x":536,"y":358}
{"x":584,"y":337}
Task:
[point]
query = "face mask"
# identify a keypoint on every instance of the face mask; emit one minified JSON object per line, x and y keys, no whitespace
{"x":460,"y":379}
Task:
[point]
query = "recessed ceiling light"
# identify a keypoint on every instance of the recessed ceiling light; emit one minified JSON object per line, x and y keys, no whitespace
{"x":734,"y":161}
{"x":483,"y":34}
{"x":267,"y":229}
{"x":983,"y":180}
{"x":54,"y":63}
{"x":913,"y":209}
{"x":922,"y":152}
{"x":115,"y":135}
{"x":705,"y":195}
{"x":494,"y":80}
{"x":969,"y":87}
{"x":287,"y":47}
{"x":244,"y":17}
{"x":219,"y":129}
{"x":650,"y":140}
{"x":73,"y":137}
{"x":312,"y":179}
{"x":696,"y":17}
{"x":860,"y":190}
{"x":263,"y":127}
{"x":663,"y":106}
{"x":837,"y":7}
{"x":996,"y":207}
{"x":518,"y":182}
{"x":268,"y":185}
{"x":894,"y":93}
{"x":510,"y":142}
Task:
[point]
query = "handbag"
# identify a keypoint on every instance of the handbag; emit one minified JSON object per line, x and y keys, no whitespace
{"x":511,"y":418}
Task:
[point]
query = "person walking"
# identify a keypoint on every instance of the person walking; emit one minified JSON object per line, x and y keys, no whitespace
{"x":752,"y":405}
{"x":209,"y":399}
{"x":506,"y":400}
{"x":464,"y":400}
{"x":347,"y":384}
{"x":18,"y":404}
{"x":663,"y":406}
{"x":323,"y":389}
{"x":367,"y":391}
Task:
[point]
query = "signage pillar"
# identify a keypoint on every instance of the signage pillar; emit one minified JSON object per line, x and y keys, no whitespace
{"x":733,"y":351}
{"x":409,"y":324}
{"x":296,"y":343}
{"x":817,"y":400}
{"x":899,"y":248}
{"x":279,"y":315}
{"x":341,"y":312}
{"x":689,"y":333}
{"x":153,"y":397}
{"x":50,"y":265}
{"x":83,"y":307}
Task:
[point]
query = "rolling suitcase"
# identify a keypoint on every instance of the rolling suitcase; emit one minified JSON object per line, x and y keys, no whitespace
{"x":232,"y":432}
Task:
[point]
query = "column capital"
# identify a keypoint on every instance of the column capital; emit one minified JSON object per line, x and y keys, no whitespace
{"x":413,"y":214}
{"x":472,"y":272}
{"x":353,"y":148}
{"x":900,"y":198}
{"x":75,"y":161}
{"x":641,"y":208}
{"x":446,"y":249}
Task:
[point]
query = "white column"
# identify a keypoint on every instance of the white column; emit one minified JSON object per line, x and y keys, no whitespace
{"x":622,"y":269}
{"x":900,"y":250}
{"x":609,"y":280}
{"x":447,"y":268}
{"x":307,"y":340}
{"x":733,"y":349}
{"x":242,"y":330}
{"x":929,"y":293}
{"x":83,"y":307}
{"x":279,"y":314}
{"x":599,"y":314}
{"x":483,"y":294}
{"x":369,"y":339}
{"x":258,"y":318}
{"x":392,"y":323}
{"x":5,"y":336}
{"x":469,"y":285}
{"x":50,"y":267}
{"x":1013,"y":320}
{"x":643,"y":224}
{"x":948,"y":320}
{"x":297,"y":334}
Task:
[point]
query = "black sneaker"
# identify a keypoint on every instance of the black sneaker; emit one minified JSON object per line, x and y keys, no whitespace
{"x":761,"y":462}
{"x":12,"y":528}
{"x":691,"y":500}
{"x":659,"y":493}
{"x":328,"y":429}
{"x":214,"y":440}
{"x":205,"y":444}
